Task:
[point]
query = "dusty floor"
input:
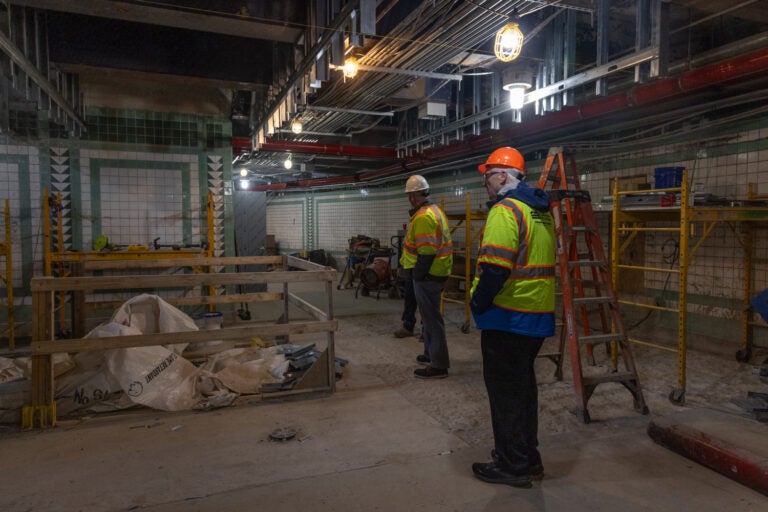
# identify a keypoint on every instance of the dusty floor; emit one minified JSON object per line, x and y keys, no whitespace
{"x":383,"y":441}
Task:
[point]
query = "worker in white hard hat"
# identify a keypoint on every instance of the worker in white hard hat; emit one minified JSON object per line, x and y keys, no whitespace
{"x":428,"y":256}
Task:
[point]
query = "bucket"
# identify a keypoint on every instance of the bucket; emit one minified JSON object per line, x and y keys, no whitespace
{"x":667,"y":177}
{"x":209,"y":321}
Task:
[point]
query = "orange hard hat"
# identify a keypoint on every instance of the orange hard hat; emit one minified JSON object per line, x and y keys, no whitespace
{"x":504,"y":157}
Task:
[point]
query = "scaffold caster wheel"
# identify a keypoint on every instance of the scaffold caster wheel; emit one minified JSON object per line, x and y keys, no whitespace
{"x":465,"y":327}
{"x":583,"y":415}
{"x":744,"y":355}
{"x":677,"y":396}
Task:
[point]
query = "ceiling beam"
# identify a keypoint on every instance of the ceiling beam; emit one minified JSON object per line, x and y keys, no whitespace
{"x":17,"y":56}
{"x":127,"y":74}
{"x":229,"y":24}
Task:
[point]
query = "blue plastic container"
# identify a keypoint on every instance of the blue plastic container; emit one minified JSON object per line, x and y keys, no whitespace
{"x":760,"y":303}
{"x":667,"y":177}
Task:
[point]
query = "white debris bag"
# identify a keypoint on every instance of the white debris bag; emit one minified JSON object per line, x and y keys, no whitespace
{"x":155,"y":377}
{"x":152,"y":315}
{"x":95,"y":390}
{"x":9,"y":370}
{"x":158,"y":376}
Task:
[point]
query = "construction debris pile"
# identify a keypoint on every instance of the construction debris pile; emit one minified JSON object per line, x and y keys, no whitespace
{"x":162,"y":377}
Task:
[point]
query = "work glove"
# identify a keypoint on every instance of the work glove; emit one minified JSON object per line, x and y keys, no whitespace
{"x":492,"y":279}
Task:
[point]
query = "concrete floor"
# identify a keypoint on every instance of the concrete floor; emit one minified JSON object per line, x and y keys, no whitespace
{"x":384,"y":441}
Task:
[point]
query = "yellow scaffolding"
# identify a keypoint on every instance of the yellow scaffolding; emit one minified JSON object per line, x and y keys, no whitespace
{"x":63,"y":260}
{"x":629,"y":222}
{"x":472,"y":234}
{"x":7,"y":255}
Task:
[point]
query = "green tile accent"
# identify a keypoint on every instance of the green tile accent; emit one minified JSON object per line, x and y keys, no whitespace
{"x":135,"y":126}
{"x":25,"y":225}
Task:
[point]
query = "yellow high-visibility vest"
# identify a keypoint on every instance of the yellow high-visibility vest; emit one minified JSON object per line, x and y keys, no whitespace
{"x":428,"y":233}
{"x":530,"y":288}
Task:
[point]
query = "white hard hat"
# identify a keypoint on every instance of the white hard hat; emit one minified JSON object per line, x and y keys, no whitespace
{"x":416,"y":183}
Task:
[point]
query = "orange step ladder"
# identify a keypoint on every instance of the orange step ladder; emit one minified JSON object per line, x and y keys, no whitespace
{"x":585,"y":282}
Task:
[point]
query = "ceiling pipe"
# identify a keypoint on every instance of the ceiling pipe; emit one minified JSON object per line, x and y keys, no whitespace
{"x":327,"y":181}
{"x":717,"y":74}
{"x":317,"y":148}
{"x":643,"y":95}
{"x":241,"y":145}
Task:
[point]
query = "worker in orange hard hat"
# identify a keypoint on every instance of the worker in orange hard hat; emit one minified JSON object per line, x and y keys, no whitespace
{"x":513,"y":304}
{"x":505,"y":158}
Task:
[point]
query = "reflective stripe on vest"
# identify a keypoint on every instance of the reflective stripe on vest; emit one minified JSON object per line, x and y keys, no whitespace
{"x":505,"y":242}
{"x":429,"y":233}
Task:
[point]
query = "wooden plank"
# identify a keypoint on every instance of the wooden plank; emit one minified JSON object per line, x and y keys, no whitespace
{"x":41,"y":393}
{"x":176,"y":281}
{"x":194,"y":301}
{"x":306,"y":307}
{"x":293,"y":261}
{"x":146,"y":340}
{"x":68,"y":256}
{"x":90,"y":265}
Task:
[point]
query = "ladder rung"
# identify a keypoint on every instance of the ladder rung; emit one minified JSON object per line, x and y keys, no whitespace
{"x":600,"y":338}
{"x":584,"y":263}
{"x":587,"y":283}
{"x":605,"y":299}
{"x":608,"y":377}
{"x":581,"y":229}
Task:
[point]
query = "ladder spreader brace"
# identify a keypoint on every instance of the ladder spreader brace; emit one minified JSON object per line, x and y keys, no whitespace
{"x":586,"y":287}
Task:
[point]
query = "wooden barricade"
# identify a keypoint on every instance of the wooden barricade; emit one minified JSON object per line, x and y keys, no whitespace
{"x":42,"y":409}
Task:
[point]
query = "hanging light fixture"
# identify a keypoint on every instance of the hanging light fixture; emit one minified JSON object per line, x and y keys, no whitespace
{"x":288,"y":163}
{"x":296,"y":126}
{"x":509,"y":42}
{"x":350,"y":67}
{"x":243,"y":172}
{"x":517,"y":80}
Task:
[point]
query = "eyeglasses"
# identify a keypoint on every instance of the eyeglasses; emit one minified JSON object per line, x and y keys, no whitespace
{"x":488,"y":175}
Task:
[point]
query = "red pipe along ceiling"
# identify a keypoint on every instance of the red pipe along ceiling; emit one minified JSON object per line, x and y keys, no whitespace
{"x":317,"y":148}
{"x":664,"y":89}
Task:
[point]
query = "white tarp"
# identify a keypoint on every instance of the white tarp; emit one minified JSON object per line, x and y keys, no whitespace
{"x":159,"y":376}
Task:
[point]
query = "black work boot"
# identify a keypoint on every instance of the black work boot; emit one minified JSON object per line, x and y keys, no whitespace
{"x":493,"y":474}
{"x":535,"y":471}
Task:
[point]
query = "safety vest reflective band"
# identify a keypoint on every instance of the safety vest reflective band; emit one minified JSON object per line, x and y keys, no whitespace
{"x":511,"y":225}
{"x":429,"y":233}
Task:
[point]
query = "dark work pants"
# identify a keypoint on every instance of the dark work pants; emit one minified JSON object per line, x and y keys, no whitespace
{"x":409,"y":308}
{"x":510,"y":380}
{"x":435,"y":344}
